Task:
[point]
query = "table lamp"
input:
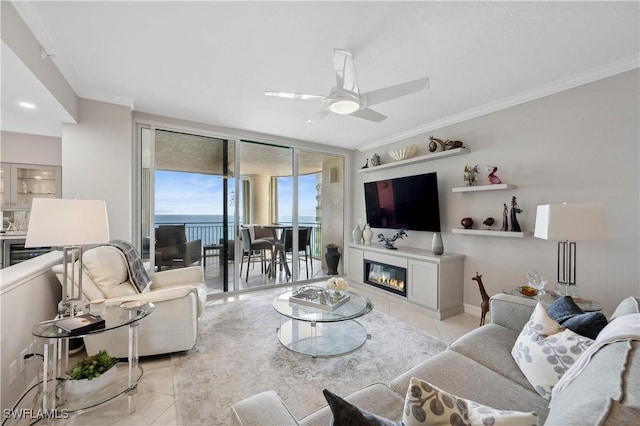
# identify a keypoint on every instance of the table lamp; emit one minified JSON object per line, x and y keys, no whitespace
{"x":568,"y":223}
{"x":71,"y":224}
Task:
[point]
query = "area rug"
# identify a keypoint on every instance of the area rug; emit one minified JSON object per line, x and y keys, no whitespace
{"x":238,"y":354}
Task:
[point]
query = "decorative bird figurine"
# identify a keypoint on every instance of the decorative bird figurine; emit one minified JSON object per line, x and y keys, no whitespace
{"x":489,"y":222}
{"x":492,"y":176}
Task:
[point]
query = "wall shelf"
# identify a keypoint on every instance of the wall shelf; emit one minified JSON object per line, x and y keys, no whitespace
{"x":495,"y":187}
{"x":419,"y":159}
{"x":490,"y":233}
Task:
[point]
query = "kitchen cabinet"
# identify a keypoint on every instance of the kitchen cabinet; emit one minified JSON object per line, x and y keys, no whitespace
{"x":21,"y":183}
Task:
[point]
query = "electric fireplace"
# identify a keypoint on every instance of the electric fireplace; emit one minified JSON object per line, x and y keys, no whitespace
{"x":387,"y":277}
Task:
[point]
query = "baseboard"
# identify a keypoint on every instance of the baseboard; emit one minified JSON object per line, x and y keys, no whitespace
{"x":472,"y":310}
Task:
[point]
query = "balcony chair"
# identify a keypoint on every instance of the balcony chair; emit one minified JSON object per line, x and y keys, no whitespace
{"x":285,"y":246}
{"x":179,"y":296}
{"x":173,"y":249}
{"x":250,"y":247}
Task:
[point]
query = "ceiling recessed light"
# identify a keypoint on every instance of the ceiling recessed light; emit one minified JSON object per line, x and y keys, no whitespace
{"x":27,"y":105}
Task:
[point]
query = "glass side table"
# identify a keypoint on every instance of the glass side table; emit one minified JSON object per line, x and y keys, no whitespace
{"x":56,"y":361}
{"x":548,"y":297}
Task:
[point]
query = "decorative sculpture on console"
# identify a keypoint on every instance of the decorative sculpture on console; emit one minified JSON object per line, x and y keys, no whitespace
{"x":388,"y":242}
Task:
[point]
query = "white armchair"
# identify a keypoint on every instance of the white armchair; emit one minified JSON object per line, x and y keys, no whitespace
{"x":178,"y":294}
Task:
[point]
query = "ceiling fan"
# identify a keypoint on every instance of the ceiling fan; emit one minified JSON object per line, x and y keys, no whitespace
{"x":346,"y":98}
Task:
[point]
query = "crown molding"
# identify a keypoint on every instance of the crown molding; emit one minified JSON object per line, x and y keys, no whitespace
{"x":611,"y":69}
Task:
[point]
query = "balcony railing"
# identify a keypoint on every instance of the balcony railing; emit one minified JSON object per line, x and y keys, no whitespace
{"x":212,"y":233}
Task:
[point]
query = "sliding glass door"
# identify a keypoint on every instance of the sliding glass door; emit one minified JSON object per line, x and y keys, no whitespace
{"x":250,"y":213}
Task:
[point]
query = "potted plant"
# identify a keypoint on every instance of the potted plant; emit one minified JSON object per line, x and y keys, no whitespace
{"x":91,"y":373}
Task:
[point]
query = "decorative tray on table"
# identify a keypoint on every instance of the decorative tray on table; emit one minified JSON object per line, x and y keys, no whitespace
{"x":318,"y":297}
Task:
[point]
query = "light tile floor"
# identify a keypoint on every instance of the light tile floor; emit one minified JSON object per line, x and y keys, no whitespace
{"x":156,"y":392}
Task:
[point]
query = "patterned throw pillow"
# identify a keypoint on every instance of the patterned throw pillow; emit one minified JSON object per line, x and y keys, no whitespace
{"x":544,"y":352}
{"x":426,"y":404}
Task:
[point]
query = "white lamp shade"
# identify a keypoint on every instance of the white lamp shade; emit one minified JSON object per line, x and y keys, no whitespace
{"x":66,"y":222}
{"x":571,"y":222}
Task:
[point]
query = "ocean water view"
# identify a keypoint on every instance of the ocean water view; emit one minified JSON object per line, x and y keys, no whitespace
{"x":215,"y":218}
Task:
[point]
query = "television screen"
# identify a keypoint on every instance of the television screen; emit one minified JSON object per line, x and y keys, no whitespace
{"x":409,"y":202}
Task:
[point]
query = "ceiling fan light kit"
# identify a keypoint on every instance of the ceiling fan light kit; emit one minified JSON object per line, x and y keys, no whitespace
{"x":346,"y":98}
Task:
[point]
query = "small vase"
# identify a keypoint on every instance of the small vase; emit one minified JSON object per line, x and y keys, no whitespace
{"x":332,"y":256}
{"x":367,"y":234}
{"x":436,"y":244}
{"x":357,"y":235}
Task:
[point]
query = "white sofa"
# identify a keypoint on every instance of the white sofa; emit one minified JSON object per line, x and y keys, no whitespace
{"x":178,"y":294}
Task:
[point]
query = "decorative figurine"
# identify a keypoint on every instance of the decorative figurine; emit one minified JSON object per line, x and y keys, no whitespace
{"x":467,"y":222}
{"x":434,"y":142}
{"x":366,"y":165}
{"x":485,"y":298}
{"x":505,"y":225}
{"x":453,"y":144}
{"x":471,"y":175}
{"x":375,"y":160}
{"x":489,"y":222}
{"x":515,"y":226}
{"x":444,"y":145}
{"x":492,"y":176}
{"x":388,"y":242}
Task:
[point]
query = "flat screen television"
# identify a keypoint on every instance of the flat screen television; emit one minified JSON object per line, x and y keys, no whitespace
{"x":409,"y":202}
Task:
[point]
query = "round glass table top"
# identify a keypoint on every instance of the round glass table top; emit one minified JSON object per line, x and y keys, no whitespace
{"x":355,"y":307}
{"x":115,"y":316}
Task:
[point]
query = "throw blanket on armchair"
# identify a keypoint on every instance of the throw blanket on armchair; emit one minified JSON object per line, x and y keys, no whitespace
{"x":137,"y":274}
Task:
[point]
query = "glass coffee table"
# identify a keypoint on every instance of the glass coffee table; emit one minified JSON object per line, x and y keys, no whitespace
{"x":322,"y":333}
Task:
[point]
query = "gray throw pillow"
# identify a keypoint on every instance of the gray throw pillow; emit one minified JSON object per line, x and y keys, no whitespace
{"x":347,"y":414}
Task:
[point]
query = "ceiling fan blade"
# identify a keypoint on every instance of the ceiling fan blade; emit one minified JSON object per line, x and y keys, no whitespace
{"x":392,"y":92}
{"x":302,"y":96}
{"x":345,"y":71}
{"x":369,"y":114}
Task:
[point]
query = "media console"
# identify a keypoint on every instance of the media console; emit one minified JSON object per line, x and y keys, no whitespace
{"x":432,"y":283}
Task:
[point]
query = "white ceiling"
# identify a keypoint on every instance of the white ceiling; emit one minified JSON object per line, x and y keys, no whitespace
{"x":211,"y":62}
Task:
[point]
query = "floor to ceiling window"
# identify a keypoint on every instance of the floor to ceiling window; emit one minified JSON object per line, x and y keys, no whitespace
{"x":214,"y":202}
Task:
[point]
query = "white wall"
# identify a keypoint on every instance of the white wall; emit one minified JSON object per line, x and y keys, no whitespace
{"x":29,"y":293}
{"x":30,"y":149}
{"x":580,"y":145}
{"x":96,"y":161}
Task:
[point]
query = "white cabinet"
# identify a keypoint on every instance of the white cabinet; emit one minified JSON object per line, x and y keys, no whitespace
{"x":355,"y":269}
{"x":21,"y":183}
{"x":423,"y":279}
{"x":434,"y":283}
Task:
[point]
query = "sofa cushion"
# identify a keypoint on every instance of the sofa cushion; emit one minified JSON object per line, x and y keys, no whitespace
{"x":612,"y":373}
{"x":544,"y":353}
{"x":563,"y":308}
{"x":347,"y":414}
{"x":567,"y":313}
{"x":544,"y":359}
{"x":468,"y":379}
{"x":491,"y":346}
{"x":630,"y":305}
{"x":377,"y":399}
{"x":426,"y":404}
{"x":589,"y":324}
{"x":106,"y":267}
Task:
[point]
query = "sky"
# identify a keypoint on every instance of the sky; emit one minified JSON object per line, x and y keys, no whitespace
{"x":180,"y":193}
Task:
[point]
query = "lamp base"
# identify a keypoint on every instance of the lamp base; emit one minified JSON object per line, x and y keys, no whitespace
{"x":566,"y":290}
{"x":70,"y":308}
